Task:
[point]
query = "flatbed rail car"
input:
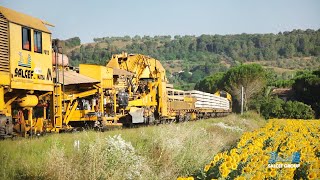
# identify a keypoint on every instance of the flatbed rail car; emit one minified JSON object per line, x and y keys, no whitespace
{"x":191,"y":105}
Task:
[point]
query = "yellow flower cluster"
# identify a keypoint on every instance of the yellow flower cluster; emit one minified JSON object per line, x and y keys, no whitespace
{"x":186,"y":178}
{"x":283,"y":137}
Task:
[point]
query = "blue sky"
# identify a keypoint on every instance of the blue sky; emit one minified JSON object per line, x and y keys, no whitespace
{"x":101,"y":18}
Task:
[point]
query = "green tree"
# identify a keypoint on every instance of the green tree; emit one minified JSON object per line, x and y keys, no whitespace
{"x":72,"y":42}
{"x":307,"y":87}
{"x":252,"y":77}
{"x":211,"y":83}
{"x":290,"y":51}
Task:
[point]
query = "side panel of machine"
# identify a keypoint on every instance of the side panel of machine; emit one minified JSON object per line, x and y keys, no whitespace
{"x":164,"y":99}
{"x":30,"y":58}
{"x":4,"y":52}
{"x":101,"y":73}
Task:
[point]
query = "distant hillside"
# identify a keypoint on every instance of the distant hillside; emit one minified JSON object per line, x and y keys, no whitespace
{"x":196,"y":57}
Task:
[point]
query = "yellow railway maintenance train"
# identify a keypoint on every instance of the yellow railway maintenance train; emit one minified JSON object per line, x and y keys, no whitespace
{"x":152,"y":100}
{"x":40,"y":93}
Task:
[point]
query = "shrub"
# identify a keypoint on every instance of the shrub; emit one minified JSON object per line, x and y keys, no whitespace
{"x":104,"y":158}
{"x":297,"y":110}
{"x":277,"y":108}
{"x":272,"y":108}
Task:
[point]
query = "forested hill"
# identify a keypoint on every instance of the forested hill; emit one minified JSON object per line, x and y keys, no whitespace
{"x":206,"y":54}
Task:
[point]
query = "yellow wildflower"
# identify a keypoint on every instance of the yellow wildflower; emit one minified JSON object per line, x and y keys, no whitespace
{"x":246,"y":170}
{"x":234,"y":166}
{"x":181,"y":178}
{"x":216,"y":158}
{"x":223,"y":167}
{"x":272,"y":173}
{"x":283,"y":148}
{"x":225,"y":172}
{"x":240,"y":178}
{"x":207,"y":167}
{"x":228,"y":164}
{"x":228,"y":158}
{"x":233,"y":151}
{"x":312,"y":175}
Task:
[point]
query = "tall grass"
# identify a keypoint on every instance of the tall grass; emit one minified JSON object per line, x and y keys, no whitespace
{"x":156,"y":152}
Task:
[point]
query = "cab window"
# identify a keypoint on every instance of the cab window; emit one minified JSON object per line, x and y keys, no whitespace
{"x":26,"y":39}
{"x":37,"y":36}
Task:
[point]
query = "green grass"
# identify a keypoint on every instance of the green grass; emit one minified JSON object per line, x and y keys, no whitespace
{"x":155,"y":152}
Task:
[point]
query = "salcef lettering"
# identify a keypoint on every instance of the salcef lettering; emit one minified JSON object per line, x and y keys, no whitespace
{"x":28,"y":74}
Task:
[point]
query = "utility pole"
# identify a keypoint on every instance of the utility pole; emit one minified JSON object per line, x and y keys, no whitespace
{"x":242,"y":92}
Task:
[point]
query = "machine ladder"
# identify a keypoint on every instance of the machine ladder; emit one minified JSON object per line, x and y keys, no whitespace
{"x":57,"y":112}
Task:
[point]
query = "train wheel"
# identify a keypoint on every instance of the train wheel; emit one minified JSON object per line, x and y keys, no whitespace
{"x":126,"y":121}
{"x":152,"y":120}
{"x":187,"y":118}
{"x":180,"y":118}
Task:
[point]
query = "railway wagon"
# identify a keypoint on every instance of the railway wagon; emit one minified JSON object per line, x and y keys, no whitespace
{"x":194,"y":104}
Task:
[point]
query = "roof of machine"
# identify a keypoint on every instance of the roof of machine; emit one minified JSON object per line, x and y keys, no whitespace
{"x":119,"y":72}
{"x":72,"y":77}
{"x":23,"y":19}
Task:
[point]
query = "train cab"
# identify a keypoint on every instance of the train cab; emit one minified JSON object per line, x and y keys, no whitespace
{"x":25,"y":52}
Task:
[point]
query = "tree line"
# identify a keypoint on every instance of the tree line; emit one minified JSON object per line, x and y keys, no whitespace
{"x":204,"y":48}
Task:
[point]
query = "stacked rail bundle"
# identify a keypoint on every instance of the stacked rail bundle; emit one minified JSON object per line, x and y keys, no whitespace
{"x":209,"y":101}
